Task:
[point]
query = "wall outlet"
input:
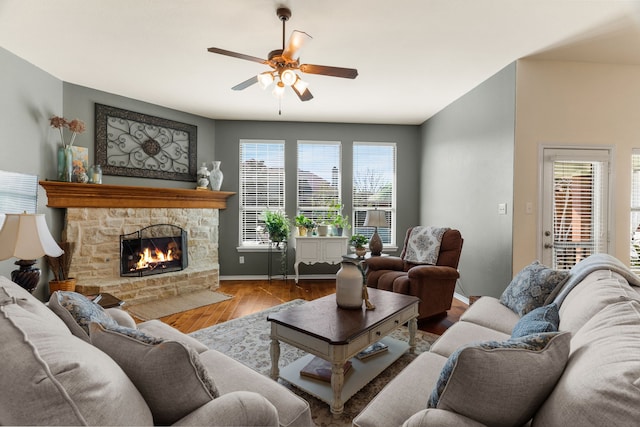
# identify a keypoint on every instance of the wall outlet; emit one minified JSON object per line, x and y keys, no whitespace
{"x":241,"y":260}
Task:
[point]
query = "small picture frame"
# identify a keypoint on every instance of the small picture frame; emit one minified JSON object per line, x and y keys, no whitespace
{"x":138,"y":145}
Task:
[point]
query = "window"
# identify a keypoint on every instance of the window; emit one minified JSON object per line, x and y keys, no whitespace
{"x":374,"y":187}
{"x":635,"y":211}
{"x":319,"y":178}
{"x":262,"y":187}
{"x":18,"y":193}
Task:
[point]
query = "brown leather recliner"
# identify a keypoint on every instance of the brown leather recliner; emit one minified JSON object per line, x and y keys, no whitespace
{"x":433,"y":284}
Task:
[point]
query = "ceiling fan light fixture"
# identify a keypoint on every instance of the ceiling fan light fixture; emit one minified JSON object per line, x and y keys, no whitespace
{"x":285,"y":64}
{"x":300,"y":85}
{"x":288,"y":77}
{"x":278,"y":90}
{"x":265,"y":79}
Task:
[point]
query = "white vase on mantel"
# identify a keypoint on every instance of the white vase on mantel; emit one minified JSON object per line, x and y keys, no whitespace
{"x":216,"y":176}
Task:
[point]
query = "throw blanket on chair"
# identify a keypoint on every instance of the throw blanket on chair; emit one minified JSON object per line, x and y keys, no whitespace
{"x":423,"y":245}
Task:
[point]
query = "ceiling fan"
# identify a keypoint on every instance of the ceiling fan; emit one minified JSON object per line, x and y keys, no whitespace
{"x":284,"y":63}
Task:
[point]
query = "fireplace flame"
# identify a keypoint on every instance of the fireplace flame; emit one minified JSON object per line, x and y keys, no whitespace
{"x":151,"y":260}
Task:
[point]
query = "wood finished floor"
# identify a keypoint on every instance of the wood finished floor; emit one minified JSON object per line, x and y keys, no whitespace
{"x":253,"y":296}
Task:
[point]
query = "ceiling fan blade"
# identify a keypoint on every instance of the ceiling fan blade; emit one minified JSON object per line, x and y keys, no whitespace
{"x":237,"y":55}
{"x":296,"y":42}
{"x":347,"y":73}
{"x":304,"y":96}
{"x":245,"y":84}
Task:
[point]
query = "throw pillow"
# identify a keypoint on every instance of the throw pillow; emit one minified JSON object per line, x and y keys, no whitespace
{"x":501,"y":383}
{"x":539,"y":320}
{"x":168,"y":374}
{"x":77,"y":312}
{"x":531,"y":286}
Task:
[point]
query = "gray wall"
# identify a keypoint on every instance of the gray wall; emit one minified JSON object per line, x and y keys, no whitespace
{"x":467,"y":170}
{"x":228,"y":134}
{"x":29,"y":98}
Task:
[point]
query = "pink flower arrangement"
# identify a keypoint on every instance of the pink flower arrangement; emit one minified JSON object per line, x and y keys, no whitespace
{"x":75,"y":126}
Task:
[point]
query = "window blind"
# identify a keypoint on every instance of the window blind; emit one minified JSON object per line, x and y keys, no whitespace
{"x":319,"y":178}
{"x":374,"y":186}
{"x":262,"y":187}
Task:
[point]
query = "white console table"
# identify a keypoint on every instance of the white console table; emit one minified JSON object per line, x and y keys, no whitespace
{"x":315,"y":249}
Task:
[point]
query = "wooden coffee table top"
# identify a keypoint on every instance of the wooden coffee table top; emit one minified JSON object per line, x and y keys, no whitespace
{"x":323,"y":319}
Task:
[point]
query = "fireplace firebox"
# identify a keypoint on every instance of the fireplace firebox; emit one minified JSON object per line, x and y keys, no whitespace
{"x":160,"y":248}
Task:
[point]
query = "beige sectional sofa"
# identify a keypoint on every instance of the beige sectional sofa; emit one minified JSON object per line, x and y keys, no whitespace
{"x":587,"y":374}
{"x":57,"y":371}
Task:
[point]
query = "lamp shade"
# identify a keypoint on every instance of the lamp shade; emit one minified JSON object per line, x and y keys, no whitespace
{"x":26,"y":236}
{"x":375,"y":218}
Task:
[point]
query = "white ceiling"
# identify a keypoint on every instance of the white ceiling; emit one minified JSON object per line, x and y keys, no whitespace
{"x":414,"y":57}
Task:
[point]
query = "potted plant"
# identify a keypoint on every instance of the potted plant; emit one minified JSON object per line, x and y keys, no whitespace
{"x":60,"y":268}
{"x":304,"y":225}
{"x":358,"y":241}
{"x":277,"y":225}
{"x":339,"y":221}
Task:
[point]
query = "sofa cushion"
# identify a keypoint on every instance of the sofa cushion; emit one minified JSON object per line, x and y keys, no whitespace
{"x":77,"y":312}
{"x":168,"y":374}
{"x":501,"y":383}
{"x":50,"y":377}
{"x":531,"y":286}
{"x":406,"y":395}
{"x":159,"y":329}
{"x":595,"y":292}
{"x":489,"y":312}
{"x":462,"y":333}
{"x":601,"y":382}
{"x":539,"y":320}
{"x":31,"y":304}
{"x":232,"y":376}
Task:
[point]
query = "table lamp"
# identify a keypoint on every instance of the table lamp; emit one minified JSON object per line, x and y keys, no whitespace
{"x":26,"y":237}
{"x":375,"y":218}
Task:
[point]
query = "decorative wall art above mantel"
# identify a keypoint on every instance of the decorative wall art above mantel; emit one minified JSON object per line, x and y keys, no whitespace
{"x":138,"y":145}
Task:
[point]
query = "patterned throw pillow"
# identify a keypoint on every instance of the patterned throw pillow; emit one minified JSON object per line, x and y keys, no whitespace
{"x":168,"y":374}
{"x":531,"y":286}
{"x":77,"y":312}
{"x":501,"y":383}
{"x":539,"y":320}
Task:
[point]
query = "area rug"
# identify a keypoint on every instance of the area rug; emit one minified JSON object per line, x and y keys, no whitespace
{"x":247,"y":340}
{"x":176,"y":304}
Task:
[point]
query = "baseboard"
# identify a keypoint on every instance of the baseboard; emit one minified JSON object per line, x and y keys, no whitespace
{"x":461,"y":298}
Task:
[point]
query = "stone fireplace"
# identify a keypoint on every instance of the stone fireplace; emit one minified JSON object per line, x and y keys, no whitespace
{"x":98,"y":215}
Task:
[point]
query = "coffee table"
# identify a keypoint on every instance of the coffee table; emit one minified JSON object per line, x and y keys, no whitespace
{"x":322,"y":329}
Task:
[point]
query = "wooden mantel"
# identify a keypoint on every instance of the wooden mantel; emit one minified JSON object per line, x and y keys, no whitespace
{"x":75,"y":195}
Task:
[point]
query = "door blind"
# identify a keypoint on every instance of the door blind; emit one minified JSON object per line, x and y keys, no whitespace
{"x":579,"y":211}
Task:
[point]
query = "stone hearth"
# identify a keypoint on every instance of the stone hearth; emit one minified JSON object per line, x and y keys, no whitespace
{"x":95,"y":226}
